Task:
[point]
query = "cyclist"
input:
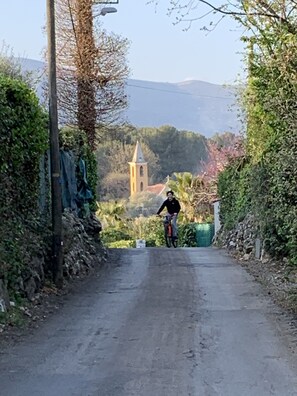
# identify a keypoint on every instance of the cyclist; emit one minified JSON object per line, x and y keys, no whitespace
{"x":173,"y":208}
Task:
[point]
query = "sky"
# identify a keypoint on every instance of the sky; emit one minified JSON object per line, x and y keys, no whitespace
{"x":159,"y":50}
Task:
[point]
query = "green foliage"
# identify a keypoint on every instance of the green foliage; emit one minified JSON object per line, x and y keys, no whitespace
{"x":122,"y":244}
{"x":112,"y":213}
{"x":187,"y":235}
{"x":13,"y":317}
{"x":234,"y":190}
{"x":114,"y":185}
{"x":270,"y":105}
{"x":11,"y":67}
{"x":149,"y":228}
{"x":11,"y":253}
{"x":23,"y":140}
{"x":111,"y":235}
{"x":195,"y":194}
{"x":170,"y":145}
{"x":92,"y":175}
{"x":280,"y":195}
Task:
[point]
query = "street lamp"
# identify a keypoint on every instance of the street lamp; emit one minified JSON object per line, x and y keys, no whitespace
{"x":107,"y":10}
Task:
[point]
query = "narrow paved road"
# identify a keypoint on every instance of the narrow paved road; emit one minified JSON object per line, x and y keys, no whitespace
{"x":162,"y":322}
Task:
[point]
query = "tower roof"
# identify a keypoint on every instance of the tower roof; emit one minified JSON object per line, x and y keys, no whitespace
{"x":138,"y":155}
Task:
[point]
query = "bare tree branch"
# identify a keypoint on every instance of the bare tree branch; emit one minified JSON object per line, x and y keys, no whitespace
{"x":91,"y":69}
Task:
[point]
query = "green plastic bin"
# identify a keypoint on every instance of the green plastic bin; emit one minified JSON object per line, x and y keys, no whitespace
{"x":204,"y":234}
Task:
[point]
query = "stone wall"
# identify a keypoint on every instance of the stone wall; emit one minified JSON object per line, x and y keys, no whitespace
{"x":82,"y":247}
{"x":243,"y":240}
{"x":82,"y":252}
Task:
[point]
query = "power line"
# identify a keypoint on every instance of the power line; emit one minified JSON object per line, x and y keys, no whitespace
{"x":178,"y":92}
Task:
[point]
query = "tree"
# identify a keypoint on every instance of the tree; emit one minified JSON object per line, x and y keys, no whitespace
{"x":91,"y":69}
{"x":186,"y":188}
{"x":115,"y":185}
{"x":197,"y":193}
{"x":219,"y":156}
{"x":244,"y":11}
{"x":170,"y":145}
{"x":11,"y":67}
{"x":112,"y":213}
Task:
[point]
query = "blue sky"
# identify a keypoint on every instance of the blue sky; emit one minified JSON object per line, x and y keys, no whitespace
{"x":159,"y":50}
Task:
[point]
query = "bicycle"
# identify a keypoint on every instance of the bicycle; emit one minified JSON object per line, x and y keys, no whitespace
{"x":170,"y":240}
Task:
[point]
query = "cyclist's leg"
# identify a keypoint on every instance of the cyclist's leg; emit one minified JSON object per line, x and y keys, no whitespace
{"x":165,"y":221}
{"x":174,"y":226}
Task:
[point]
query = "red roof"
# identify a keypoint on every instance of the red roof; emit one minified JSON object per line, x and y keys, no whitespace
{"x":156,"y":188}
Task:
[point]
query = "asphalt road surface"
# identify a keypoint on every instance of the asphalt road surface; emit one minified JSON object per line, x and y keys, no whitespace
{"x":159,"y":322}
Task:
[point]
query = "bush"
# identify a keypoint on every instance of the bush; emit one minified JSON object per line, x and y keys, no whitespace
{"x":110,"y":235}
{"x":234,"y":189}
{"x":187,"y":235}
{"x":23,"y":140}
{"x":149,"y":228}
{"x":121,"y":244}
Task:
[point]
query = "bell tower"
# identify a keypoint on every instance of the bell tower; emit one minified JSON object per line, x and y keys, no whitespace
{"x":138,"y":172}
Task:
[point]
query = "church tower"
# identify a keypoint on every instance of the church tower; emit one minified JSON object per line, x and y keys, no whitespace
{"x":138,"y":172}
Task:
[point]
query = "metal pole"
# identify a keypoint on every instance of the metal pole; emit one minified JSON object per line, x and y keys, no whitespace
{"x":57,"y":243}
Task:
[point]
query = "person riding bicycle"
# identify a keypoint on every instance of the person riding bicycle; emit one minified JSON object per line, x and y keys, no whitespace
{"x":173,"y":208}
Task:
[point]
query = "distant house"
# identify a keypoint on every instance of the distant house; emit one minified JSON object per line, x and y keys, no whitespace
{"x":158,"y":189}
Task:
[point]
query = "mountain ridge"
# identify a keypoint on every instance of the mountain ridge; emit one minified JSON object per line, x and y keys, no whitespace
{"x":193,"y":105}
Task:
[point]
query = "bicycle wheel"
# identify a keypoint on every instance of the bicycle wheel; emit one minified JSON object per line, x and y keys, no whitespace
{"x":168,"y":241}
{"x":167,"y":236}
{"x":174,"y":242}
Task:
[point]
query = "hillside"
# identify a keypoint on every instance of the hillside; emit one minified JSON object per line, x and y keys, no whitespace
{"x":196,"y":106}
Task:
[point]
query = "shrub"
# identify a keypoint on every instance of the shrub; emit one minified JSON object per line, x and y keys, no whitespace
{"x":187,"y":235}
{"x":110,"y":235}
{"x":121,"y":244}
{"x":23,"y":140}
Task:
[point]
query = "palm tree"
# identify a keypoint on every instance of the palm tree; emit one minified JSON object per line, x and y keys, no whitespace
{"x":111,"y":213}
{"x":195,"y":195}
{"x":182,"y":185}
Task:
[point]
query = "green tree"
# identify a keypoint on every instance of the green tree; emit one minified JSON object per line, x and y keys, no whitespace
{"x":112,"y":213}
{"x":170,"y":145}
{"x":115,"y":185}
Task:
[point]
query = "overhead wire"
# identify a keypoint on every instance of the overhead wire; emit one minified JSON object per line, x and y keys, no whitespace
{"x":178,"y":92}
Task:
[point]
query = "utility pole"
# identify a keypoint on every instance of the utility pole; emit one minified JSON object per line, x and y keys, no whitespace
{"x":57,"y":242}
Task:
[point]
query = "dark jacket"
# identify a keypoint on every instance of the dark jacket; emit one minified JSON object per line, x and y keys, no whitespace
{"x":172,"y":206}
